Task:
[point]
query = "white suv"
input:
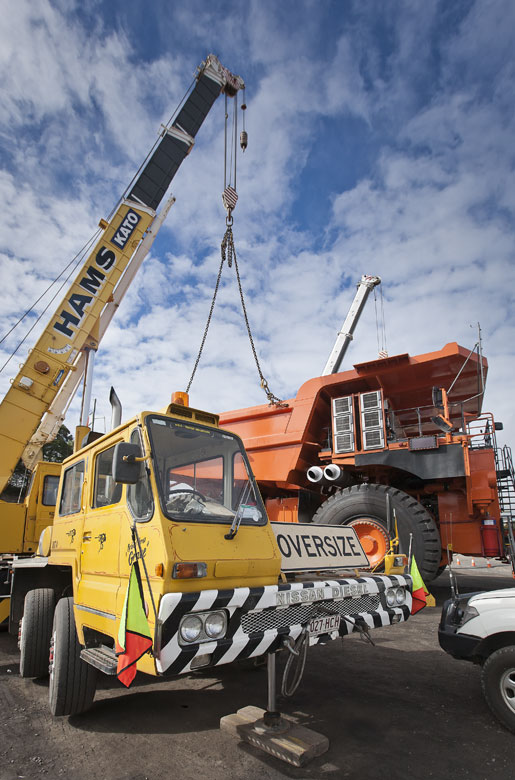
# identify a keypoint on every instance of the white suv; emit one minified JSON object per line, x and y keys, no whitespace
{"x":480,"y":627}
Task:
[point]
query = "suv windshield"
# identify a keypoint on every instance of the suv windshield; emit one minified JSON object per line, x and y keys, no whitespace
{"x":202,"y":474}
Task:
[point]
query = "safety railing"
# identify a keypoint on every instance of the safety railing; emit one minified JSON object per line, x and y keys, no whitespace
{"x":481,"y":431}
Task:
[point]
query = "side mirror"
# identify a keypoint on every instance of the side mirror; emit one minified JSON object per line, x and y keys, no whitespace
{"x":437,"y":397}
{"x":498,"y":426}
{"x":441,"y":423}
{"x":126,"y":469}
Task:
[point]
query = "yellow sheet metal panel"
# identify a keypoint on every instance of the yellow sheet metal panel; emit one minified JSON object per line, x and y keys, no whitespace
{"x":252,"y":558}
{"x":12,"y":525}
{"x":5,"y":604}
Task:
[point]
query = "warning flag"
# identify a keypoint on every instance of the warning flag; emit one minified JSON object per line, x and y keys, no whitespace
{"x":419,"y":589}
{"x":134,"y":637}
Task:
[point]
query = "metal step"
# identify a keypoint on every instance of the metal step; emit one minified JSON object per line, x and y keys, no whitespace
{"x":505,"y":480}
{"x":103,"y":658}
{"x":506,"y":491}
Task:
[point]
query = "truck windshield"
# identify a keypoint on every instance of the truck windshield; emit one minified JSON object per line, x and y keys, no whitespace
{"x":202,"y":474}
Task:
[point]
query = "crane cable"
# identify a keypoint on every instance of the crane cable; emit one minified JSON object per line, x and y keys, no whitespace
{"x":73,"y":264}
{"x":382,"y":348}
{"x":228,"y":250}
{"x":79,"y":256}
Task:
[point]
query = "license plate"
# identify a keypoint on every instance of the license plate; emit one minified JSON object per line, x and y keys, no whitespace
{"x":324,"y":625}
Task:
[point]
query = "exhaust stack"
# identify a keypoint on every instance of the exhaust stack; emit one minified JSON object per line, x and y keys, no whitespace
{"x":336,"y":476}
{"x":116,"y":413}
{"x":315,"y":474}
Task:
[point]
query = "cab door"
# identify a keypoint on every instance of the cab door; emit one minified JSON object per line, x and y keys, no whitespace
{"x":41,"y":502}
{"x":100,"y":578}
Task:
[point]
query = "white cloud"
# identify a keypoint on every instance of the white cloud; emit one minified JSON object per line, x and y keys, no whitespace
{"x":432,"y":212}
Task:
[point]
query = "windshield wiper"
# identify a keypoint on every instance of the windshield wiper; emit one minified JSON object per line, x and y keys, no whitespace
{"x":238,"y":515}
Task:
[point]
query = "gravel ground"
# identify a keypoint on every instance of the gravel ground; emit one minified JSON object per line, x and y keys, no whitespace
{"x":401,"y":709}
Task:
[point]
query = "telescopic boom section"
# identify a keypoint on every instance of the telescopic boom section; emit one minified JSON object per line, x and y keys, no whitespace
{"x":74,"y":327}
{"x":177,"y":140}
{"x":365,"y":285}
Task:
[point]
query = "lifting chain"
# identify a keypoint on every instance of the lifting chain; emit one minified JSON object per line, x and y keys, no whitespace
{"x":208,"y":323}
{"x":228,"y":252}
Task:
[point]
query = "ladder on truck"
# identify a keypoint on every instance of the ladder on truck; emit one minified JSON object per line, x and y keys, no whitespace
{"x":506,"y":491}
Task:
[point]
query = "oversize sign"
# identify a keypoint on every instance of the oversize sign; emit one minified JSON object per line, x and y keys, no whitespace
{"x":309,"y":547}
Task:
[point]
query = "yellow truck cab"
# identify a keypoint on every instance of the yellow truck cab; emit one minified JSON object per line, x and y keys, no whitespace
{"x":176,"y":493}
{"x":24,"y":522}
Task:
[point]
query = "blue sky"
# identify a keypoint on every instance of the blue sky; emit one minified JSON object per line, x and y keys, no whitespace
{"x":380,"y":141}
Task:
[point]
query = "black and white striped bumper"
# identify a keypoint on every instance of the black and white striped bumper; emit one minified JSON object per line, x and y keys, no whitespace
{"x":259,"y":619}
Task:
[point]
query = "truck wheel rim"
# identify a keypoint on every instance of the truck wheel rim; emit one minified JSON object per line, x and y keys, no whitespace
{"x":508,"y":688}
{"x":20,"y":635}
{"x":51,"y":659}
{"x":373,"y":537}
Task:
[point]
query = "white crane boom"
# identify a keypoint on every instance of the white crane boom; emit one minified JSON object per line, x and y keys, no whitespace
{"x":345,"y":335}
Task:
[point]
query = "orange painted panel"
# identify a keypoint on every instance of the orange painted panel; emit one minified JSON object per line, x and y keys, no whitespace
{"x":283,"y":510}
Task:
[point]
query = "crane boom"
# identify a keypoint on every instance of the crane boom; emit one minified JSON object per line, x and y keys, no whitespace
{"x":75,"y":326}
{"x":344,"y":338}
{"x":54,"y":417}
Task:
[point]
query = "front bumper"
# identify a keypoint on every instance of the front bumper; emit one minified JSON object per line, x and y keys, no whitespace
{"x":459,"y":644}
{"x":259,"y":619}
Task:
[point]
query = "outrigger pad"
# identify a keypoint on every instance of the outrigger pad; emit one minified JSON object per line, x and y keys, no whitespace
{"x":290,"y":742}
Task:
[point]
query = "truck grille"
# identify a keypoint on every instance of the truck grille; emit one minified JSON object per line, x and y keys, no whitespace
{"x":302,"y":613}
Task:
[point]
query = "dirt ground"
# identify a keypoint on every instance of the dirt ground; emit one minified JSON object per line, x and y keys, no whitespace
{"x":401,"y":709}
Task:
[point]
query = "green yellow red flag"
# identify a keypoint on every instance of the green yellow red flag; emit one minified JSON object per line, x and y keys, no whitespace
{"x":134,"y":636}
{"x":420,"y":592}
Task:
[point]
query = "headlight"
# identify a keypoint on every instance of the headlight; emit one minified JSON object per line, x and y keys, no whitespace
{"x":395,"y":596}
{"x":390,"y":597}
{"x":191,"y":628}
{"x":202,"y":627}
{"x":469,"y":613}
{"x":214,"y":625}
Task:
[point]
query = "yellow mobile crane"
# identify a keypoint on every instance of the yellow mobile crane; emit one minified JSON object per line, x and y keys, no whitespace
{"x":161,"y":557}
{"x":33,"y":408}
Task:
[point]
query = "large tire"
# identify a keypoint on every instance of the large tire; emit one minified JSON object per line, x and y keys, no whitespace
{"x":364,"y":506}
{"x":72,"y":680}
{"x":498,"y":683}
{"x":35,"y":632}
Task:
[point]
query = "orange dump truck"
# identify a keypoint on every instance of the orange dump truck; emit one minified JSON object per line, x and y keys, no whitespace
{"x":401,"y":432}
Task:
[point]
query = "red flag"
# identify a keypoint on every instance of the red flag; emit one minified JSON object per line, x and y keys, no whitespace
{"x":134,"y":637}
{"x":419,"y":589}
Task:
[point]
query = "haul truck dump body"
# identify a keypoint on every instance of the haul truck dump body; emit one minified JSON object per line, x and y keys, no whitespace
{"x":176,"y":493}
{"x":333,"y":452}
